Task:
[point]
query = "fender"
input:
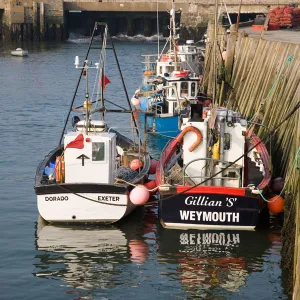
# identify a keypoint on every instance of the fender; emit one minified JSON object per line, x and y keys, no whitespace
{"x":198,"y":141}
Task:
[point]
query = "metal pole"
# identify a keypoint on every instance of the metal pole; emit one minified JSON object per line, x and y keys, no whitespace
{"x":102,"y":79}
{"x":157,"y":24}
{"x":77,"y":86}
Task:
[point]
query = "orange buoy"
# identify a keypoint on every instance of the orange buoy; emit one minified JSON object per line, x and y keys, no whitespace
{"x":60,"y":169}
{"x":136,"y":164}
{"x":276,"y":204}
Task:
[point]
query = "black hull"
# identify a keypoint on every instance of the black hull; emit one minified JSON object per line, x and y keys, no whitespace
{"x":210,"y":211}
{"x":80,"y":188}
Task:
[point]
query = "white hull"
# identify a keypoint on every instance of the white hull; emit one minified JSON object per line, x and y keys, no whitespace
{"x":84,"y":207}
{"x":19,"y":53}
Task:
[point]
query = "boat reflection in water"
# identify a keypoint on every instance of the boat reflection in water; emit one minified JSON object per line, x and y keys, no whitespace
{"x":214,"y":263}
{"x":132,"y":258}
{"x":89,"y":257}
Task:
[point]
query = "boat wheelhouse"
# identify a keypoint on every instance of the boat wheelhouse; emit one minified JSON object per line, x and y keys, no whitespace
{"x":170,"y":103}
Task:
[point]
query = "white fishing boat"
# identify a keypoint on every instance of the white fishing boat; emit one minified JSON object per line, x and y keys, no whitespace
{"x":214,"y":174}
{"x":19,"y":52}
{"x":92,"y":175}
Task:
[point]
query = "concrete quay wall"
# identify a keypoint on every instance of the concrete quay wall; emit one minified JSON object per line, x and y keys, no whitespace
{"x":48,"y":19}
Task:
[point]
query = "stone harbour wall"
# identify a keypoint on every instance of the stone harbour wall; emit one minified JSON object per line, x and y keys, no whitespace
{"x":46,"y":19}
{"x":32,"y":20}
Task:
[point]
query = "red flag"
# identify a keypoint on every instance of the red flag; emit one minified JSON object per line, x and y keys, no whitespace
{"x":77,"y":143}
{"x":106,"y":81}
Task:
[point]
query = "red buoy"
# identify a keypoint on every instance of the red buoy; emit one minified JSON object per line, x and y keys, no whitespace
{"x":153,"y":166}
{"x":150,"y":185}
{"x":276,"y":204}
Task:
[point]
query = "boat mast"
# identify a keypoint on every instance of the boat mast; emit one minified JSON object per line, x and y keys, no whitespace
{"x":173,"y":32}
{"x":157,"y":25}
{"x":87,"y":96}
{"x":102,"y":76}
{"x":76,"y":89}
{"x":215,"y":41}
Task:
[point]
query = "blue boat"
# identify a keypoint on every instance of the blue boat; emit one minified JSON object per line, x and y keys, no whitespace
{"x":167,"y":102}
{"x":170,"y":81}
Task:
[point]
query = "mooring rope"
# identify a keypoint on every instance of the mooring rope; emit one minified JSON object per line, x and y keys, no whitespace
{"x":211,"y":177}
{"x":204,"y":181}
{"x":161,"y":133}
{"x":232,"y":163}
{"x":295,"y":163}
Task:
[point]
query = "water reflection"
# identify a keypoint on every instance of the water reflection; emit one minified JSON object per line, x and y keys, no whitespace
{"x":214,"y":263}
{"x":89,"y":257}
{"x":138,"y":255}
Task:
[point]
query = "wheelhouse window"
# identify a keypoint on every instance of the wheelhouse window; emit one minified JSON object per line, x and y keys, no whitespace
{"x":227,"y":140}
{"x":193,"y":89}
{"x":98,"y":151}
{"x":169,"y":69}
{"x":184,"y":89}
{"x":172,"y":90}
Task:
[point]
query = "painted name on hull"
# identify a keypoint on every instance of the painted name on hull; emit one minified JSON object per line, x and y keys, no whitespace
{"x":66,"y":198}
{"x":208,"y":216}
{"x":108,"y":198}
{"x":210,"y":209}
{"x":57,"y":198}
{"x":206,"y":201}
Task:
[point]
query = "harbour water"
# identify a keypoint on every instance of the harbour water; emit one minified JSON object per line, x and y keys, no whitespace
{"x":136,"y":259}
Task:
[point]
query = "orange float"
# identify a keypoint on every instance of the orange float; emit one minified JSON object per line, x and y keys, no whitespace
{"x":136,"y":164}
{"x":276,"y":204}
{"x":60,"y":169}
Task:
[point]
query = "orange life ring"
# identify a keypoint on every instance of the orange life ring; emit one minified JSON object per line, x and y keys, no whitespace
{"x":179,"y":138}
{"x":60,"y":169}
{"x":181,"y":73}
